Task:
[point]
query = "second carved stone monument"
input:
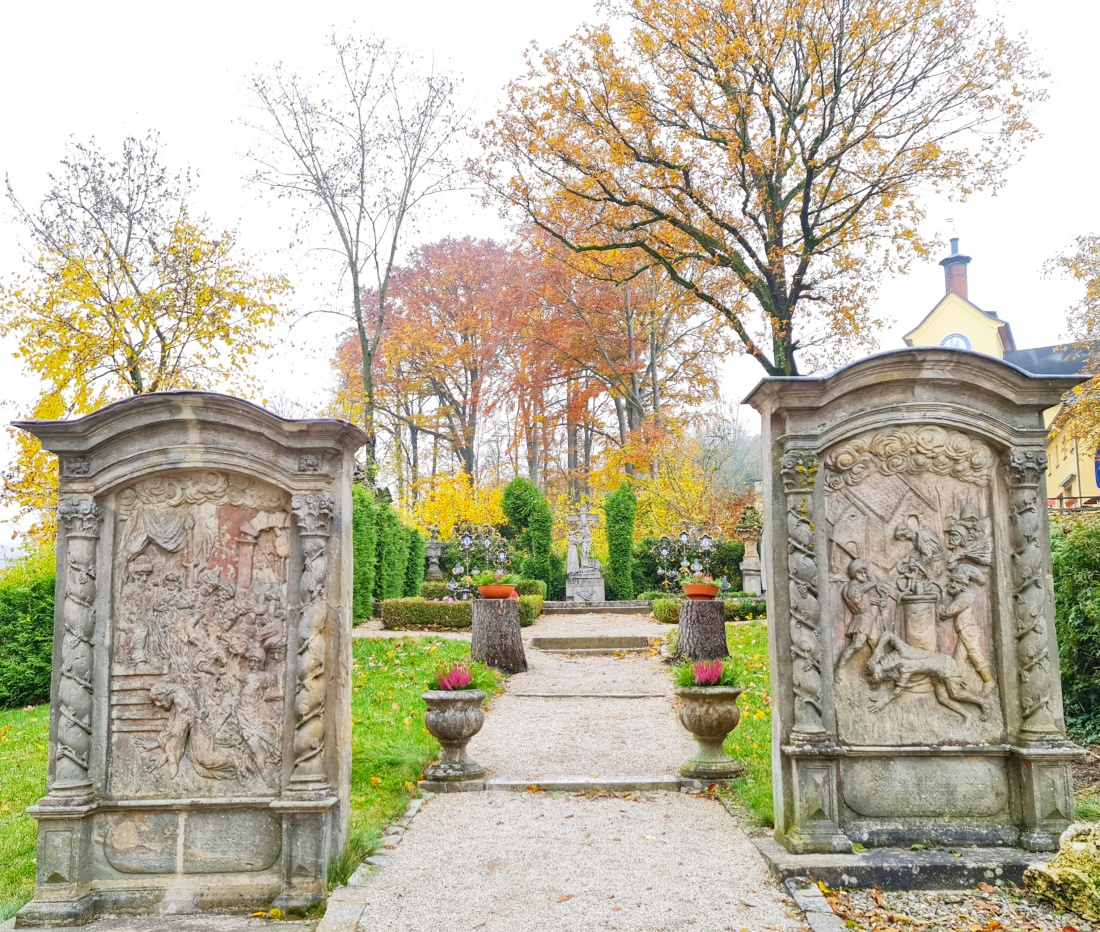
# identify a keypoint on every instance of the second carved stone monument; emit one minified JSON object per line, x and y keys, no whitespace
{"x":200,"y":709}
{"x":915,"y":669}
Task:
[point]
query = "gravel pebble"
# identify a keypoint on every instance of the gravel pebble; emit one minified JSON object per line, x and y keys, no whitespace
{"x":504,"y":862}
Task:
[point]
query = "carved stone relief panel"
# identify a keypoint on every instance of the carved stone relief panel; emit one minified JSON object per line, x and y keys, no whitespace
{"x":199,"y":636}
{"x":910,"y":560}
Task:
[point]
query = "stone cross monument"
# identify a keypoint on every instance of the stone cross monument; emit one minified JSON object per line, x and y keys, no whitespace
{"x":200,"y":706}
{"x":584,"y":582}
{"x":915,"y":681}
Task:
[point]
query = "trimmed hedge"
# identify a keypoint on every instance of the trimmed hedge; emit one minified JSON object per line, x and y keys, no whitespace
{"x":26,"y":630}
{"x":434,"y":590}
{"x":414,"y":563}
{"x":403,"y":614}
{"x":530,"y":607}
{"x":364,"y":543}
{"x":1075,"y":547}
{"x":619,"y":511}
{"x":667,"y":611}
{"x":531,"y":587}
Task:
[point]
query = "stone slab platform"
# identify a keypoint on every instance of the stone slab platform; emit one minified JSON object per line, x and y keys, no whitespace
{"x":903,"y":868}
{"x":584,"y":608}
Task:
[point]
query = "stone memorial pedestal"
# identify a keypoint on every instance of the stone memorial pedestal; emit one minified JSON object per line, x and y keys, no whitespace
{"x":585,"y":585}
{"x":915,"y":684}
{"x":200,"y":730}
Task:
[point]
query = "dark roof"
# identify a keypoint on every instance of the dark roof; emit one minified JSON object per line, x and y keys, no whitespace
{"x":1060,"y":359}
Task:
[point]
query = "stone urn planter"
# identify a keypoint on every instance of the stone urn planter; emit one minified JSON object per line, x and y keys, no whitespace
{"x":710,"y":713}
{"x":700,"y":591}
{"x":454,"y":716}
{"x":496,"y":591}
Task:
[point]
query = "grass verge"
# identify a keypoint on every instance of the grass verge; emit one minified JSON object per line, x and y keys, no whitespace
{"x":751,"y":741}
{"x":24,"y":735}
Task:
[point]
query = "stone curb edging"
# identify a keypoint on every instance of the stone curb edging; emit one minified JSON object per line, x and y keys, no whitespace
{"x":809,"y":898}
{"x":344,"y":907}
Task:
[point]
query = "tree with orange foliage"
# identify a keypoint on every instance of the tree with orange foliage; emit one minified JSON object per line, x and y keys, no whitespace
{"x":766,"y":157}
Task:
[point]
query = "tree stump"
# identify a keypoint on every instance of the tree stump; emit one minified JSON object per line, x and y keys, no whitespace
{"x":702,"y":630}
{"x":496,"y":639}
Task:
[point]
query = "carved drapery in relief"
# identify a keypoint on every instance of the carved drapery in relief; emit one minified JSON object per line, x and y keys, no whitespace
{"x":313,"y":514}
{"x":798,"y":471}
{"x":199,"y":636}
{"x":1030,"y":597}
{"x":80,"y":520}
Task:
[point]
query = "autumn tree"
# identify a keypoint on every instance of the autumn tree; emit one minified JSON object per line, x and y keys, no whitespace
{"x":768,"y":158}
{"x":365,"y":146}
{"x":126,"y":292}
{"x":1079,"y":418}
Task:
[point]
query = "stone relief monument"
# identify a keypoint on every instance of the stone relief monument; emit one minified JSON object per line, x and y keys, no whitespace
{"x":915,"y":686}
{"x":584,"y":582}
{"x":200,"y":723}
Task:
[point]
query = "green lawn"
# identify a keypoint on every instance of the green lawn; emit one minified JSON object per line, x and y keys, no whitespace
{"x":390,"y":748}
{"x":23,"y":737}
{"x":751,"y":741}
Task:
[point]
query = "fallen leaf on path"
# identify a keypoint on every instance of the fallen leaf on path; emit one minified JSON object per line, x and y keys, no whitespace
{"x":567,"y":896}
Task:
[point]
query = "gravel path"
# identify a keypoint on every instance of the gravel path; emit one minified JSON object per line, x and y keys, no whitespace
{"x":506,"y":862}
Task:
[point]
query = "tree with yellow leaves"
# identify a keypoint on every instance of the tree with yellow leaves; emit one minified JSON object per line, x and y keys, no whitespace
{"x":767,"y":157}
{"x":1079,"y":417}
{"x":126,"y":294}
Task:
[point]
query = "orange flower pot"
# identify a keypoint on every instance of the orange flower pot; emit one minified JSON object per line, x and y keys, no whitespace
{"x":700,"y":591}
{"x":496,"y":591}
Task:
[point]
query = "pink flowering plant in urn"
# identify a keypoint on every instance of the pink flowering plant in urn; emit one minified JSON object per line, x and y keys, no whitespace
{"x":708,"y":691}
{"x":454,"y":716}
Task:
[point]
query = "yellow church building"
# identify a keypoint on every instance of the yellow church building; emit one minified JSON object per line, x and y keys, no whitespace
{"x":1073,"y":474}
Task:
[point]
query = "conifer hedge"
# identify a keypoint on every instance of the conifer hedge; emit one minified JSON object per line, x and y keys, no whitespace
{"x":619,"y":512}
{"x":364,"y":540}
{"x":26,"y":630}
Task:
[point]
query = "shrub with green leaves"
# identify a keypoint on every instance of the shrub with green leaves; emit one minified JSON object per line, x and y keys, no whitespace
{"x":741,"y":609}
{"x":26,"y":629}
{"x":531,"y":527}
{"x":364,"y":541}
{"x":414,"y":562}
{"x":619,"y":509}
{"x":531,"y":587}
{"x":1075,"y":547}
{"x":667,"y":611}
{"x":530,"y":607}
{"x":434,"y":590}
{"x":393,"y":551}
{"x":406,"y":614}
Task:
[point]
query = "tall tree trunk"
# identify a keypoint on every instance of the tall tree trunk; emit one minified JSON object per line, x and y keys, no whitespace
{"x":495,"y":639}
{"x":702,"y":633}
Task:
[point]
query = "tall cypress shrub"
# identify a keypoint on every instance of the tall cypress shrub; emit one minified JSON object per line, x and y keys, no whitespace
{"x":518,"y":504}
{"x":414,"y":563}
{"x":26,"y":630}
{"x":364,"y":539}
{"x":393,"y":544}
{"x":619,"y":512}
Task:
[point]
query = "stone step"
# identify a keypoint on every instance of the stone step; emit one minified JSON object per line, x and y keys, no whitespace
{"x":609,"y":608}
{"x":593,"y":644}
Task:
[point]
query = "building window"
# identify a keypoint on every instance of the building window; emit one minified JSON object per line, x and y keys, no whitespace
{"x":955,"y":341}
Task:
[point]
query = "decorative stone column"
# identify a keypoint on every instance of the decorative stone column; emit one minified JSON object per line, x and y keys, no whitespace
{"x":1043,"y":756}
{"x":811,"y":751}
{"x":748,"y":529}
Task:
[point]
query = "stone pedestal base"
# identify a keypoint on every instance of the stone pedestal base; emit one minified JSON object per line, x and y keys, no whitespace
{"x":584,"y":587}
{"x":1045,"y":773}
{"x":750,"y":577}
{"x":810,"y":822}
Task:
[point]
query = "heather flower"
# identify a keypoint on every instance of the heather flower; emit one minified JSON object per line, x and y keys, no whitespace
{"x":458,"y":677}
{"x":708,"y":672}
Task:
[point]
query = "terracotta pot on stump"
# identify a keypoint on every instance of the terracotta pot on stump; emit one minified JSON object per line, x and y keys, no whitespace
{"x":710,"y":713}
{"x":701,"y":591}
{"x":496,"y":591}
{"x":454,"y":716}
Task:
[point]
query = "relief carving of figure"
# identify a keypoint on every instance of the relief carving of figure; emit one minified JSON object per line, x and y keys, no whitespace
{"x":961,"y":591}
{"x":918,"y":569}
{"x":201,"y":613}
{"x":969,"y":540}
{"x":899,"y":663}
{"x":866,"y":599}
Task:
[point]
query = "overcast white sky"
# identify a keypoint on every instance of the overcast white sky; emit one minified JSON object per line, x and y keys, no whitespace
{"x":113,"y":68}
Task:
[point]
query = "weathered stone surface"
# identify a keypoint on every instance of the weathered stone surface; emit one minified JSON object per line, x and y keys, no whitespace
{"x":915,"y":684}
{"x":584,"y":581}
{"x":200,"y":704}
{"x":1071,"y":880}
